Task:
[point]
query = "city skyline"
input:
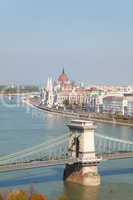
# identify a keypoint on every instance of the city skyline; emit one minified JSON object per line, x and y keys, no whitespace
{"x":91,"y":40}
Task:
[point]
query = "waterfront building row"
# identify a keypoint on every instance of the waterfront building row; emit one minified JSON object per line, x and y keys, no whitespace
{"x":119,"y":104}
{"x":94,"y":99}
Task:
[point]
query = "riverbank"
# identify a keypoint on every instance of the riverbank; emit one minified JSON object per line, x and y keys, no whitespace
{"x":82,"y":116}
{"x":16,"y":94}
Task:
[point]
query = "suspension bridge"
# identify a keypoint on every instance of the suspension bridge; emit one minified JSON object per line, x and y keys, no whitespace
{"x":66,"y":149}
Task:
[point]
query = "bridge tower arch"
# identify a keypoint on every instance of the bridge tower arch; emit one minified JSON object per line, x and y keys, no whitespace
{"x":82,"y":149}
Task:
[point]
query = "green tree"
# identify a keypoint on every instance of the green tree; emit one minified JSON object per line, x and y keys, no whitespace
{"x":66,"y":102}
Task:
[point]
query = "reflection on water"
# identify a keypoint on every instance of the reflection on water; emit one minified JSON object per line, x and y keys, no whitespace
{"x":116,"y":192}
{"x":77,"y":192}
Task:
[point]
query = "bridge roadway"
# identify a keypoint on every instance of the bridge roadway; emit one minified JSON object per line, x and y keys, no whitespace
{"x":50,"y":163}
{"x":34,"y":164}
{"x":42,"y":164}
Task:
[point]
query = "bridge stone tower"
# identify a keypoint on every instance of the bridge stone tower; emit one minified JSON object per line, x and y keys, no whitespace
{"x":83,"y":170}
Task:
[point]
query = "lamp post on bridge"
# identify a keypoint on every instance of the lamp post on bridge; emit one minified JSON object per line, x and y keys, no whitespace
{"x":82,"y":149}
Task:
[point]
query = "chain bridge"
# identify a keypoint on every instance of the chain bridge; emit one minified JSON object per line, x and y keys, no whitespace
{"x":59,"y":151}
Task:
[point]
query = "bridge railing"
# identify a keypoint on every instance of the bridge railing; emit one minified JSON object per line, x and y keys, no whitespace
{"x":108,"y":145}
{"x":52,"y":149}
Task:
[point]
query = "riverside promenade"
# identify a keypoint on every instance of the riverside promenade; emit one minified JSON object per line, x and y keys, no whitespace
{"x":79,"y":115}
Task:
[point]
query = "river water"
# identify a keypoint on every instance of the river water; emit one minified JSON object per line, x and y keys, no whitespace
{"x":22,"y":127}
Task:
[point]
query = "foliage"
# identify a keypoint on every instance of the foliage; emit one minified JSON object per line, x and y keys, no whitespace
{"x":63,"y":198}
{"x":21,"y":195}
{"x":38,"y":197}
{"x":66,"y":102}
{"x":1,"y":197}
{"x":18,"y":195}
{"x":118,"y":115}
{"x":5,"y":89}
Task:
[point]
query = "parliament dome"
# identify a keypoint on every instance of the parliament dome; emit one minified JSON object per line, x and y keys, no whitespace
{"x":63,"y":78}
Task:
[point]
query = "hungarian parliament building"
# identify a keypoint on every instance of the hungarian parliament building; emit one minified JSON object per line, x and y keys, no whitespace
{"x":107,"y":99}
{"x":62,"y":90}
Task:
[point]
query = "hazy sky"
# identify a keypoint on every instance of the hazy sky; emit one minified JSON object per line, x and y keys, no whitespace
{"x":92,"y":39}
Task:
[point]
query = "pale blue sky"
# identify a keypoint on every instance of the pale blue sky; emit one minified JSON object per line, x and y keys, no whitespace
{"x":92,"y":39}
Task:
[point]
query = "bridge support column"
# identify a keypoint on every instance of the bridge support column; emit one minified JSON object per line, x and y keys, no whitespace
{"x":82,"y":150}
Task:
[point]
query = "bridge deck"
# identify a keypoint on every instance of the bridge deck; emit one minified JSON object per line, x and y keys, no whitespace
{"x":32,"y":165}
{"x":42,"y":164}
{"x":115,"y":156}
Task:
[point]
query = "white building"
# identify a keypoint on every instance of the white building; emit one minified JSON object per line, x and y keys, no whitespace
{"x":75,"y":96}
{"x":114,"y":104}
{"x":129,"y":106}
{"x":95,"y":102}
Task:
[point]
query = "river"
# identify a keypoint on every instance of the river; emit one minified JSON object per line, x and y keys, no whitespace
{"x":22,"y":127}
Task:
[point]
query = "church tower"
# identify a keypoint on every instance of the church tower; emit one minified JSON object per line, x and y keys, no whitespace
{"x":50,"y":92}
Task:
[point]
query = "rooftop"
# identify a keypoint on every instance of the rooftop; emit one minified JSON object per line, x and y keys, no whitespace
{"x":114,"y":98}
{"x":63,"y":78}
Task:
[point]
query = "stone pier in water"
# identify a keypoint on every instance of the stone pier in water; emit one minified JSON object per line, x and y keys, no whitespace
{"x":82,"y":148}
